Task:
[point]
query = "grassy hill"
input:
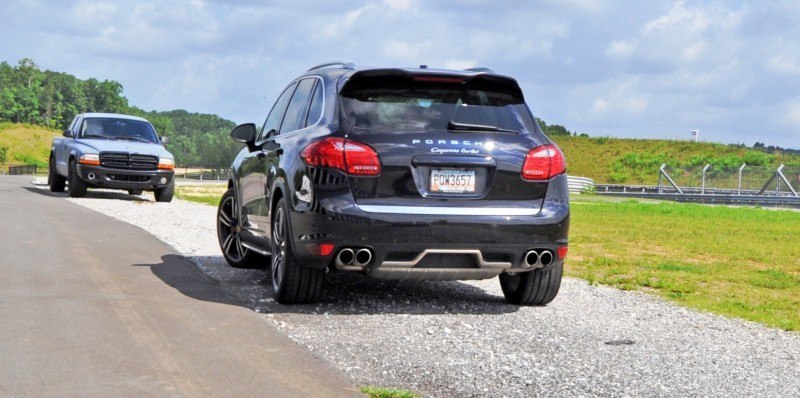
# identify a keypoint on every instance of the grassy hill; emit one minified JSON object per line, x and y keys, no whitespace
{"x":26,"y":144}
{"x":636,"y":161}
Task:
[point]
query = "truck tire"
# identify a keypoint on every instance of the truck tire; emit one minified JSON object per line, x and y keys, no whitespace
{"x":165,"y":194}
{"x":291,"y":282}
{"x":77,"y":187}
{"x":537,"y":287}
{"x":134,"y":192}
{"x":55,"y":180}
{"x":228,"y":235}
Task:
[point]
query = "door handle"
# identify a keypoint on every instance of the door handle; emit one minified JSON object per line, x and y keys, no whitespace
{"x":279,"y":151}
{"x":261,"y":155}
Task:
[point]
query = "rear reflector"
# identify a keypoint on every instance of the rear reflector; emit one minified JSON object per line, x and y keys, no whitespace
{"x":543,"y":162}
{"x":351,"y":157}
{"x":320,"y":249}
{"x":562,"y":252}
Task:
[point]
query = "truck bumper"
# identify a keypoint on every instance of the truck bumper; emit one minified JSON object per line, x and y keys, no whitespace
{"x":146,"y":180}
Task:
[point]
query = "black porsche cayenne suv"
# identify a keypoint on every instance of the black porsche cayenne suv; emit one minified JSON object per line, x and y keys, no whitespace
{"x":398,"y":173}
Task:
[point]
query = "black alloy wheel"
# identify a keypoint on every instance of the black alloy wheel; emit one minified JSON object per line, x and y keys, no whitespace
{"x":229,"y":233}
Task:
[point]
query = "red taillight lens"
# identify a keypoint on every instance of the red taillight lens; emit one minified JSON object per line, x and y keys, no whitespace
{"x":562,"y":252}
{"x":543,"y":162}
{"x":351,"y":157}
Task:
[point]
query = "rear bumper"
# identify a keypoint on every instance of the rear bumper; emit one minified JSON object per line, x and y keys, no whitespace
{"x":459,"y":246}
{"x":124,"y":179}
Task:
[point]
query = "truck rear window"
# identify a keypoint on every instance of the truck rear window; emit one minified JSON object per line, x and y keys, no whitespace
{"x":405,"y":104}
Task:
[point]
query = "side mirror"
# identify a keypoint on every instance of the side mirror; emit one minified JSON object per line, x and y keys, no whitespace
{"x":67,"y":133}
{"x":164,"y":140}
{"x":245,"y":133}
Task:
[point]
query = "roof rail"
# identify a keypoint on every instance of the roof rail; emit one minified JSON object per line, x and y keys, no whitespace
{"x":480,"y":69}
{"x":345,"y":65}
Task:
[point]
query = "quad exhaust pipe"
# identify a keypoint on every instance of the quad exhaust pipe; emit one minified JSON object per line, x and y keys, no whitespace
{"x":348,"y":257}
{"x":363,"y":257}
{"x":345,"y":257}
{"x":538,"y":258}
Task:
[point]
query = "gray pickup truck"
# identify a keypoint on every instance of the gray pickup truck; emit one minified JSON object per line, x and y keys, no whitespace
{"x":106,"y":150}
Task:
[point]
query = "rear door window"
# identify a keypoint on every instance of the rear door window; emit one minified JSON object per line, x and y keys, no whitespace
{"x":273,"y":121}
{"x":298,"y":107}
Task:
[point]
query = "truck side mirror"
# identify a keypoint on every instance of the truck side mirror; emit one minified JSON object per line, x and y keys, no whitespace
{"x":67,"y":133}
{"x":164,"y":140}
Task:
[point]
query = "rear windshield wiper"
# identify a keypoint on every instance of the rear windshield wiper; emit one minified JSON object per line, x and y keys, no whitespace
{"x":477,"y":127}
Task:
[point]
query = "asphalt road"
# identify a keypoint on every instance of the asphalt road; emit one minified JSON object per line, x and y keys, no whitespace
{"x":91,"y":306}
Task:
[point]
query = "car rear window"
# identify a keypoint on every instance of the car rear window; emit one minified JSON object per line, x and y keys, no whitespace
{"x":405,"y":104}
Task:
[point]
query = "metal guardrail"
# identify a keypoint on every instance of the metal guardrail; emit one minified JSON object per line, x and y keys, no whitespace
{"x":775,"y":190}
{"x":577,"y":185}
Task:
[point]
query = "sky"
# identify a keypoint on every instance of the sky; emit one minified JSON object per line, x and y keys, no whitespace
{"x":645,"y":69}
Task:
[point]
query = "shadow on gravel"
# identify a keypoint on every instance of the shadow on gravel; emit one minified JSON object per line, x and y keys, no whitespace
{"x":92,"y":194}
{"x":343,"y":293}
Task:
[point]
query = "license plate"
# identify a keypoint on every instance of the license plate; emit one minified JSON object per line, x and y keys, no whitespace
{"x":452,"y":181}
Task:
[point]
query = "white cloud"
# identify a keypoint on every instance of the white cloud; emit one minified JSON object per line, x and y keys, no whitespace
{"x":460,"y":64}
{"x":619,"y":49}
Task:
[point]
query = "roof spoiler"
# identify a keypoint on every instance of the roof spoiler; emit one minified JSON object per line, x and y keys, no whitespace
{"x":481,"y":79}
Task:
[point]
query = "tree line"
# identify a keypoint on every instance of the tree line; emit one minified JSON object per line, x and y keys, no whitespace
{"x":52,"y":99}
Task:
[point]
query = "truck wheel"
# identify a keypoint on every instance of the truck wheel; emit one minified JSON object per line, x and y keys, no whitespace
{"x":54,"y":180}
{"x":77,"y":187}
{"x":165,"y":194}
{"x":134,"y":192}
{"x":229,"y":230}
{"x":291,"y":282}
{"x":537,"y":287}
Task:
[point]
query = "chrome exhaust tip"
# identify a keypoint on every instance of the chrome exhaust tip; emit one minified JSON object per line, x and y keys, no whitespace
{"x":345,"y":257}
{"x":531,"y":258}
{"x":363,"y":257}
{"x":546,"y":258}
{"x":91,"y":176}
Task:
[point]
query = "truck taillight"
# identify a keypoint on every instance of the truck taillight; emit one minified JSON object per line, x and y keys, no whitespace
{"x":543,"y":162}
{"x":349,"y":156}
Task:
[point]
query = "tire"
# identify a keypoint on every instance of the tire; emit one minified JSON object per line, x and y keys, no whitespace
{"x":77,"y":187}
{"x":56,"y":181}
{"x":537,"y":287}
{"x":165,"y":194}
{"x":135,"y":192}
{"x":291,"y":282}
{"x":228,"y":235}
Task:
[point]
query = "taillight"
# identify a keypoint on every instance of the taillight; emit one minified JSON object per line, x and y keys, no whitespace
{"x":351,"y":157}
{"x":543,"y":162}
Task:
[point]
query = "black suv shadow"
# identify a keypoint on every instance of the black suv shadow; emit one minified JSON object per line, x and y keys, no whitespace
{"x":209,"y":278}
{"x":91,"y":194}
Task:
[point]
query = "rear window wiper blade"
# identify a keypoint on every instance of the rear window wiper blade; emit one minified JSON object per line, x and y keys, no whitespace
{"x":477,"y":127}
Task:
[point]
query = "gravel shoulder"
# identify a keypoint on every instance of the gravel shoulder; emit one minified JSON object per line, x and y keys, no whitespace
{"x":448,"y":339}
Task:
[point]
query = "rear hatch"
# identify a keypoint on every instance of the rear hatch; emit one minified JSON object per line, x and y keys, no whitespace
{"x":444,"y":140}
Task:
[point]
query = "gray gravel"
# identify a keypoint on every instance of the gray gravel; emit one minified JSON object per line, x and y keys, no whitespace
{"x":449,"y":339}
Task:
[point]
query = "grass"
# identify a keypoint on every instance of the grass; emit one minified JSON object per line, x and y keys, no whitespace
{"x":380,"y":392}
{"x":27,"y":144}
{"x":209,"y":194}
{"x":741,"y":262}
